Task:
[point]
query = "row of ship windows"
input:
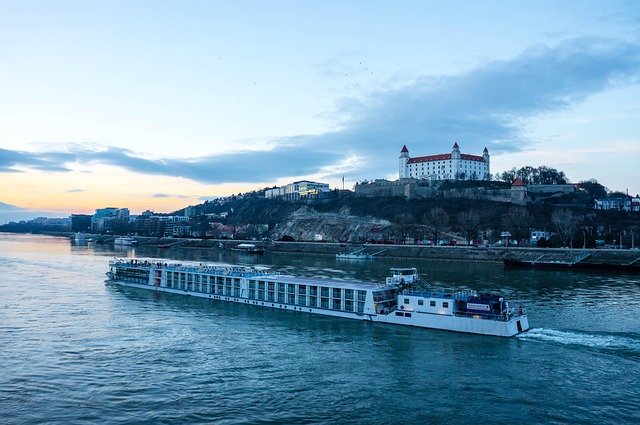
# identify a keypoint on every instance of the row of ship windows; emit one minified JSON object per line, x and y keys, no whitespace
{"x":281,"y":297}
{"x":432,"y":303}
{"x":197,"y":278}
{"x":188,"y":278}
{"x":132,"y":275}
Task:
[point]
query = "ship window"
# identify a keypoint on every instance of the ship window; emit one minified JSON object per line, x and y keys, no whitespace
{"x":324,"y":302}
{"x":291,"y":288}
{"x":348,"y":305}
{"x":348,"y":294}
{"x":291,"y":298}
{"x":337,"y":304}
{"x":313,"y":301}
{"x":362,"y":295}
{"x":407,"y":315}
{"x":445,"y":304}
{"x":324,"y":292}
{"x":432,"y":303}
{"x":302,"y":289}
{"x":313,"y":290}
{"x":336,"y":292}
{"x":420,"y":302}
{"x":261,"y":286}
{"x":406,"y":300}
{"x":302,"y":300}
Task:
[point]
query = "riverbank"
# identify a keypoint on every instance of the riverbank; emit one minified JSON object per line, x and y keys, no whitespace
{"x":441,"y":253}
{"x":493,"y":254}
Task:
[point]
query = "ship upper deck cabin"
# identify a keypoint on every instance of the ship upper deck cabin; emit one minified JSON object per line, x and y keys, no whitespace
{"x":260,"y":286}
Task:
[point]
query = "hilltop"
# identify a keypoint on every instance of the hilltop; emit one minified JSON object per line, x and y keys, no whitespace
{"x":345,"y":217}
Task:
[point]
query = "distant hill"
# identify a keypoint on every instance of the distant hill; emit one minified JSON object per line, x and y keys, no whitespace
{"x":346,"y":217}
{"x":9,"y":213}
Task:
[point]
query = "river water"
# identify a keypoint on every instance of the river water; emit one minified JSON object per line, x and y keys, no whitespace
{"x":75,"y":351}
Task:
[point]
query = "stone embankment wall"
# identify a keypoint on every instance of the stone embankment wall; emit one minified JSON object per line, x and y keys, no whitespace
{"x":444,"y":253}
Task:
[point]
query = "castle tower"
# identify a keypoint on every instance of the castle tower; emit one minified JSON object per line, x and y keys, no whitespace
{"x":455,"y":161}
{"x":485,"y":156}
{"x":404,"y":160}
{"x":455,"y":153}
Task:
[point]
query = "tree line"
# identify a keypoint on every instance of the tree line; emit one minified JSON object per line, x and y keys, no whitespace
{"x":533,"y":175}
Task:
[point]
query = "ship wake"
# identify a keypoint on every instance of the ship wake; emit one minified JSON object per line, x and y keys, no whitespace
{"x":621,"y":342}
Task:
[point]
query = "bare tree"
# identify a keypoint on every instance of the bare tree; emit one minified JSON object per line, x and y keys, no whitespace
{"x":507,"y":176}
{"x":438,"y":220}
{"x":517,"y":221}
{"x":469,"y":221}
{"x":566,"y":223}
{"x":404,"y":222}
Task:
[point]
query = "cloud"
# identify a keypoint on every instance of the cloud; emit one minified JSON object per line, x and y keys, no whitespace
{"x":9,"y":208}
{"x":164,"y":195}
{"x":11,"y":161}
{"x":75,"y":190}
{"x":491,"y":105}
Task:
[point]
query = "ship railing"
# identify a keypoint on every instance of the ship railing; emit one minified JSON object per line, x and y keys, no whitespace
{"x":224,"y":271}
{"x":444,"y":293}
{"x":505,"y":316}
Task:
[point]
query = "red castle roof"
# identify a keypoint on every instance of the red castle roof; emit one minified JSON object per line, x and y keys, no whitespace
{"x":518,"y":182}
{"x":444,"y":157}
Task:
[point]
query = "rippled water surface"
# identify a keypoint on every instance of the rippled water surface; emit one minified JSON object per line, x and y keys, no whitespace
{"x":76,"y":351}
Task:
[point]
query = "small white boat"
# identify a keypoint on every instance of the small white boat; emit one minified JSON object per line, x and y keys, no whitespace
{"x":248,"y":247}
{"x":125,"y":240}
{"x":355,"y":256}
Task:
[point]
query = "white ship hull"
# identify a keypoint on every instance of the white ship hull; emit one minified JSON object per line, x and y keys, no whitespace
{"x":367,"y":304}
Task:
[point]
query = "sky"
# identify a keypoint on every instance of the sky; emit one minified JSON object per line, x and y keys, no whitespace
{"x":157,"y":105}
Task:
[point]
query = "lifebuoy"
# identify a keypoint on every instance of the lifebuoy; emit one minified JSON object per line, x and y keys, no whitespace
{"x":402,"y":307}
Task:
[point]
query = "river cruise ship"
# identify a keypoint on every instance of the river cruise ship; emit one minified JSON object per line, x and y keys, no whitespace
{"x":403,"y":299}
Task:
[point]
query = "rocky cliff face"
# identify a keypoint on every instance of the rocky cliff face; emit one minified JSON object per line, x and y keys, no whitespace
{"x":309,"y":224}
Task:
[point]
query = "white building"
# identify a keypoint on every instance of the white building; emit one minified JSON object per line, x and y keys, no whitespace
{"x":618,"y":204}
{"x":536,"y":235}
{"x":446,"y":166}
{"x":296,"y":190}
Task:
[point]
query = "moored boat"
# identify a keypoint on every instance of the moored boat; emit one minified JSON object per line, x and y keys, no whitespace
{"x":125,"y":240}
{"x":403,"y":299}
{"x":249,"y":248}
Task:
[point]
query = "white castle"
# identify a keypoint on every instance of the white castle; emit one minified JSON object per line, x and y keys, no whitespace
{"x":446,"y":166}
